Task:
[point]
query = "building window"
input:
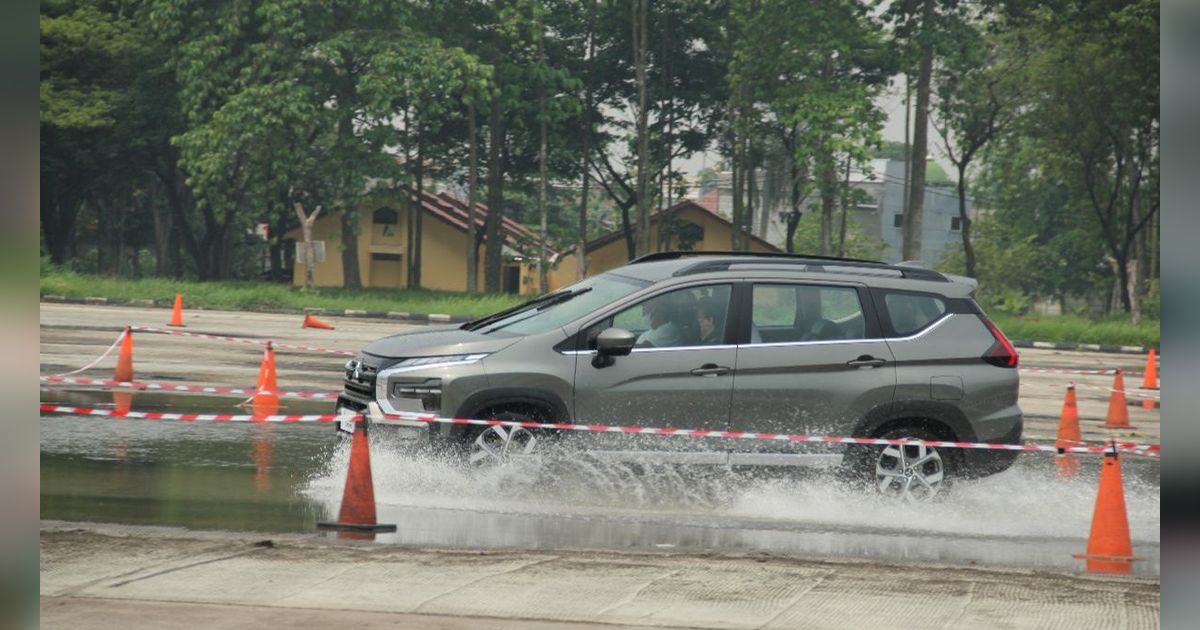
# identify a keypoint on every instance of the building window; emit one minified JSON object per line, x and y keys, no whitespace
{"x":898,"y":220}
{"x":385,"y":216}
{"x":955,"y":223}
{"x":690,"y":235}
{"x":388,"y":257}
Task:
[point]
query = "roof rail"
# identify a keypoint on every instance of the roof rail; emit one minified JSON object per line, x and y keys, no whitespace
{"x":675,"y":255}
{"x":721,"y":261}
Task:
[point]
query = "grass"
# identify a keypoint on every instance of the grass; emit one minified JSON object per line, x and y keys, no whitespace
{"x":1071,"y":328}
{"x":250,"y":296}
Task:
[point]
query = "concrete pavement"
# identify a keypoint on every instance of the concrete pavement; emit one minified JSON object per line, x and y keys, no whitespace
{"x":145,"y":577}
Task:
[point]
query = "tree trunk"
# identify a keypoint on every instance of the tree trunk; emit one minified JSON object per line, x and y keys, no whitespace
{"x":965,"y":223}
{"x":793,"y":218}
{"x":351,"y":277}
{"x":472,"y":184}
{"x":162,"y":239}
{"x":751,"y":200}
{"x":642,"y":231}
{"x":581,"y":247}
{"x":306,"y":226}
{"x":828,"y":202}
{"x":418,"y":216}
{"x":916,"y":198}
{"x":841,"y":248}
{"x":543,"y":266}
{"x":735,"y":241}
{"x":628,"y":229}
{"x":495,"y":201}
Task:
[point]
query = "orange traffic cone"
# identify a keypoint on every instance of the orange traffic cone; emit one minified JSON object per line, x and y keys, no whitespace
{"x":1109,"y":548}
{"x":1150,"y":377}
{"x":266,"y":400}
{"x":177,"y":312}
{"x":313,"y":322}
{"x":356,"y":519}
{"x":1068,"y":436}
{"x":1118,"y":413}
{"x":124,"y":371}
{"x":122,"y":402}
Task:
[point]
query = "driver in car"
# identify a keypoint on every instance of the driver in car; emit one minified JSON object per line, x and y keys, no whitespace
{"x":664,"y":331}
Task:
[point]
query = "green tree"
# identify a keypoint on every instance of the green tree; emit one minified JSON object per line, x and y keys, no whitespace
{"x":978,"y":88}
{"x":810,"y":72}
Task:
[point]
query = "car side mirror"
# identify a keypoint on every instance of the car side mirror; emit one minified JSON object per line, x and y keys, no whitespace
{"x":613,"y":342}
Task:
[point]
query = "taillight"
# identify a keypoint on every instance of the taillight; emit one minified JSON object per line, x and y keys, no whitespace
{"x":1002,"y":353}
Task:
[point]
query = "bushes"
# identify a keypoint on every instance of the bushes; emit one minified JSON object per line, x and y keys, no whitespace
{"x":251,"y":296}
{"x":1075,"y":329}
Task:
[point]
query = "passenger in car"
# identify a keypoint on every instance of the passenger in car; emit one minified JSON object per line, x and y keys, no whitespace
{"x":709,"y":316}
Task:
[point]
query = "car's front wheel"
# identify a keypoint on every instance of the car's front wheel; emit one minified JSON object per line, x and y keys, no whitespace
{"x":500,"y":444}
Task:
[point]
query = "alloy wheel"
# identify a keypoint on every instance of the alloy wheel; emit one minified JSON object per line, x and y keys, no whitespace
{"x":498,"y":445}
{"x":910,"y":472}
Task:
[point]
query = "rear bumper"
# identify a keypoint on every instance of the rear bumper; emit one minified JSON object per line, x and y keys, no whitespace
{"x":982,"y":462}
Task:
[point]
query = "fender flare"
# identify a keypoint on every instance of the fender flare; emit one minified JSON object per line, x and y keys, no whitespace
{"x":951,"y":419}
{"x":549,"y":403}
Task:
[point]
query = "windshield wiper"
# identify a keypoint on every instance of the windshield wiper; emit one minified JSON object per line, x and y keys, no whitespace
{"x":544,"y":301}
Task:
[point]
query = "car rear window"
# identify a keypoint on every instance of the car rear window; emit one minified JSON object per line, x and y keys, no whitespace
{"x":912,"y":312}
{"x":795,"y":312}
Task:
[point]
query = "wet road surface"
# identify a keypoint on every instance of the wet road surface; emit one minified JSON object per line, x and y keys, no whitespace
{"x":273,"y":478}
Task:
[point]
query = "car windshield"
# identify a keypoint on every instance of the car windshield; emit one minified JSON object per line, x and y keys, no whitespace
{"x":566,"y":305}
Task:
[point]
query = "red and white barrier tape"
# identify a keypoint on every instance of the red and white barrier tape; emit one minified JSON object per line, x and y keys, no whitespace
{"x":258,"y":342}
{"x":188,"y":417}
{"x":98,"y":359}
{"x":1145,"y":395}
{"x":1150,"y":450}
{"x":180,"y":387}
{"x":1048,"y":370}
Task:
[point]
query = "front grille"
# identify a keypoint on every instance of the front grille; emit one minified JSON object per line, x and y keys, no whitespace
{"x":360,"y":376}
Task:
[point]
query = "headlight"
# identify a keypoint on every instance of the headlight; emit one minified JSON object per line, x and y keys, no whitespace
{"x":452,"y":359}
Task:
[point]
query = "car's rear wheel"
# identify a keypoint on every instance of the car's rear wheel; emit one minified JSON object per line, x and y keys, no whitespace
{"x":912,"y":473}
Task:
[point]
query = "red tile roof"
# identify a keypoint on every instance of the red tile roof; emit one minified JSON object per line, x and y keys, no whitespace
{"x":683,"y":205}
{"x":710,"y":200}
{"x":452,"y":210}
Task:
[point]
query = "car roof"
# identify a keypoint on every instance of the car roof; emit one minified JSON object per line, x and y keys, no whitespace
{"x":661,"y":266}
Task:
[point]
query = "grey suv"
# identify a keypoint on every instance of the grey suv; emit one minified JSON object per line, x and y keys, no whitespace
{"x":721,"y":340}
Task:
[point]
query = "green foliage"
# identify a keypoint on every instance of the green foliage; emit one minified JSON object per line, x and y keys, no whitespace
{"x":1117,"y":330}
{"x":859,"y":244}
{"x":250,"y":296}
{"x":170,"y":127}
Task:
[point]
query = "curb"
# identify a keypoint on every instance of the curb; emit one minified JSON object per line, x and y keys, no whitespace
{"x":442,"y":318}
{"x":420,"y":318}
{"x":1082,"y":347}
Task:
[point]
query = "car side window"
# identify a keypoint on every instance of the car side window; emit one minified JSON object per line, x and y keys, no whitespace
{"x":694,"y":316}
{"x":783,"y":313}
{"x":912,"y":312}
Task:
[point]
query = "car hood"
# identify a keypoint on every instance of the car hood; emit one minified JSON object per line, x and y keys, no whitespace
{"x":437,"y":341}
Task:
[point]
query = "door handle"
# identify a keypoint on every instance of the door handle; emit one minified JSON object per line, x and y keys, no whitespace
{"x":866,"y":360}
{"x":711,"y":369}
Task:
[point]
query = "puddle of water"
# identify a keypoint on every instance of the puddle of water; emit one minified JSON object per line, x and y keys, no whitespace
{"x":286,"y":478}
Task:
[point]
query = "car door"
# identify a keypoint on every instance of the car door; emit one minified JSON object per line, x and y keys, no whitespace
{"x":675,"y":376}
{"x":812,"y":361}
